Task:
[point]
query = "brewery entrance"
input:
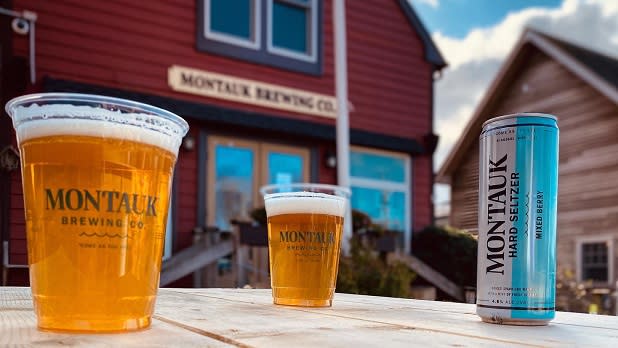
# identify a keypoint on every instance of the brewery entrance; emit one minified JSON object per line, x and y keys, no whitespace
{"x":236,"y":170}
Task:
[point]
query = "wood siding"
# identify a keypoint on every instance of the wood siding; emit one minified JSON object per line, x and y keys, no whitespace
{"x":389,"y":81}
{"x":464,"y":192}
{"x":185,"y":195}
{"x":129,"y":45}
{"x":588,"y":122}
{"x":422,"y":188}
{"x":18,"y":252}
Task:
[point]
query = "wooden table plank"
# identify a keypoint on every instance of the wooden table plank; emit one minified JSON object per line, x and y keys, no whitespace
{"x":247,"y":318}
{"x":18,"y":328}
{"x":259,"y":323}
{"x":454,"y":319}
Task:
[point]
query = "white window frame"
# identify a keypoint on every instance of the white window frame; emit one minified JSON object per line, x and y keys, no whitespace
{"x":313,"y":34}
{"x":406,"y":187}
{"x":254,"y":44}
{"x":580,"y":241}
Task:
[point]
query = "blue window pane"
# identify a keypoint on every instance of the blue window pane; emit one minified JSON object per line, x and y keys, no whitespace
{"x":284,"y":168}
{"x":229,"y":158}
{"x":369,"y":201}
{"x":397,"y":211}
{"x":232,"y":17}
{"x":378,"y":167}
{"x":233,"y":184}
{"x":385,"y":208}
{"x":290,"y":25}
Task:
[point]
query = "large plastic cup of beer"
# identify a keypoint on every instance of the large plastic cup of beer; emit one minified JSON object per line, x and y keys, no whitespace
{"x":305,"y":227}
{"x":96,"y":174}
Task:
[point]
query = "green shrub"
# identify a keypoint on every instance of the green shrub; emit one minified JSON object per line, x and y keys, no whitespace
{"x":449,"y":251}
{"x":360,"y":220}
{"x":574,"y":296}
{"x":363,"y":272}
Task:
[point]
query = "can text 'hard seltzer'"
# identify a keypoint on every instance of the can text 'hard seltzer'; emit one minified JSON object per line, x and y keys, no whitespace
{"x":518,"y":187}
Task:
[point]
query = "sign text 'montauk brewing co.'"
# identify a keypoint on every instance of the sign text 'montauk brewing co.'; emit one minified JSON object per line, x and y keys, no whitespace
{"x":227,"y":87}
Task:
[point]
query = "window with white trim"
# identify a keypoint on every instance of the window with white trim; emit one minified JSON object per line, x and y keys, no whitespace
{"x":380,"y":183}
{"x":292,"y":28}
{"x":281,"y":33}
{"x":236,"y":22}
{"x":595,"y":259}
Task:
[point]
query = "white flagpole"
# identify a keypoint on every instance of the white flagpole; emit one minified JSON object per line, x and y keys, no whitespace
{"x":343,"y":124}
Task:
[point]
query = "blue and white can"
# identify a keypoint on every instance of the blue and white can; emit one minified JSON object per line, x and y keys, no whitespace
{"x":518,"y":191}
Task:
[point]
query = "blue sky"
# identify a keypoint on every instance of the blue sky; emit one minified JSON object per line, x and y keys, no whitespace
{"x":475,"y":36}
{"x":455,"y":18}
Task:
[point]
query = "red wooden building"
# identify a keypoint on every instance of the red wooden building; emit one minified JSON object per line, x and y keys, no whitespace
{"x":255,"y":80}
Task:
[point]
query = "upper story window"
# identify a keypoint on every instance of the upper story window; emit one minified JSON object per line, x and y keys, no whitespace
{"x":292,"y":28}
{"x":281,"y":33}
{"x":236,"y":22}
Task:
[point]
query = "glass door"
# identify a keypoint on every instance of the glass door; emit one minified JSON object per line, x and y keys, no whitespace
{"x":284,"y":164}
{"x":236,"y":170}
{"x":231,"y":181}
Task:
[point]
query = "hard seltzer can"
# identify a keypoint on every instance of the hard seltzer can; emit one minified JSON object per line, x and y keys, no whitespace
{"x":518,"y":189}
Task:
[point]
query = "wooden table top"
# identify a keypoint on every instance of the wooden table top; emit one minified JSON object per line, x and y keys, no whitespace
{"x":247,"y":318}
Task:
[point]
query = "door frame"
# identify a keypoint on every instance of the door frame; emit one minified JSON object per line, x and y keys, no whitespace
{"x":265,"y":148}
{"x":213,"y":141}
{"x":260,"y":148}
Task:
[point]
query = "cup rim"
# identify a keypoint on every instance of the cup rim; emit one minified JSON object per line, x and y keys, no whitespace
{"x":151,"y":110}
{"x":338,"y":191}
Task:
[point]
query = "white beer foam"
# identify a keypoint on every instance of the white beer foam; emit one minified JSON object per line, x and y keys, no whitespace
{"x":63,"y":119}
{"x":304,"y":202}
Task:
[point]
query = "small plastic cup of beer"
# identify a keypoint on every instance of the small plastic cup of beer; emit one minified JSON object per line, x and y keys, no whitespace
{"x":96,"y":175}
{"x":305,"y":227}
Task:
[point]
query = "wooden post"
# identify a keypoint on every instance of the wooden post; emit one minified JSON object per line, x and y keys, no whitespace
{"x":198,"y":237}
{"x":242,"y":259}
{"x":210,"y":272}
{"x":264,"y":267}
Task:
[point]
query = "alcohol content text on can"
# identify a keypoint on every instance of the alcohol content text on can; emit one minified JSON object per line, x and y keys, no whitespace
{"x":518,"y":188}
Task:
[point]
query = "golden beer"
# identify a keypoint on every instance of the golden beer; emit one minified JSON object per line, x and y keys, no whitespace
{"x":96,"y":206}
{"x":304,"y":235}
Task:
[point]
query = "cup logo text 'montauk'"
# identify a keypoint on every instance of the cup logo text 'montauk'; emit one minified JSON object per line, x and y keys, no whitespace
{"x":108,"y":201}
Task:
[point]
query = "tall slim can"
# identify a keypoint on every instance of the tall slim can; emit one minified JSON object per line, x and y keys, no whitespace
{"x":518,"y":189}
